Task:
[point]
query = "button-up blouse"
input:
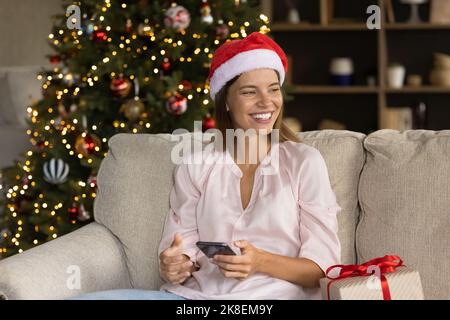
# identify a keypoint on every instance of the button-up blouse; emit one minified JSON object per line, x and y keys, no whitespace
{"x":292,"y":212}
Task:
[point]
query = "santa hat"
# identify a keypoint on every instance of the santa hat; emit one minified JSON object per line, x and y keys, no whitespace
{"x":238,"y":56}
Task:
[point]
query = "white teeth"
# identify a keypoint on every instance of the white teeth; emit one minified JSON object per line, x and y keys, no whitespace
{"x":263,"y":116}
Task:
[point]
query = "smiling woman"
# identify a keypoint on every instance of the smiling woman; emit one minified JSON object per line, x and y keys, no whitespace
{"x":250,"y":73}
{"x":282,"y":220}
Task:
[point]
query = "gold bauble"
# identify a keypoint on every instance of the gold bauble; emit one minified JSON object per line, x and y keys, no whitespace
{"x":132,"y":109}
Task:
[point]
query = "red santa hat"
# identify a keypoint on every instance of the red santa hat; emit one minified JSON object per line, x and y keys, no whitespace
{"x":238,"y":56}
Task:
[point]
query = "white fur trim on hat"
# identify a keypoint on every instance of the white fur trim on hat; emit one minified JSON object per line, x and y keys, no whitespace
{"x":243,"y":62}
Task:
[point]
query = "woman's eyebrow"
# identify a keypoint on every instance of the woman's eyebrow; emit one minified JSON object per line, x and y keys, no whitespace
{"x":250,"y":86}
{"x":247,"y":86}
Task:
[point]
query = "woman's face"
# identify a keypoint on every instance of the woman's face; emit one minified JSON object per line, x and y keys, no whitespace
{"x":255,"y":100}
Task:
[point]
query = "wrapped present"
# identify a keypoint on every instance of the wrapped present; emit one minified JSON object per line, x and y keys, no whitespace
{"x":385,"y":278}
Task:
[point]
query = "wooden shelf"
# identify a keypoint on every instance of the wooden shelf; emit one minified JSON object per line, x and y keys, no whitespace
{"x":419,"y":26}
{"x":326,"y":32}
{"x":308,"y":89}
{"x":415,"y":90}
{"x":318,"y":27}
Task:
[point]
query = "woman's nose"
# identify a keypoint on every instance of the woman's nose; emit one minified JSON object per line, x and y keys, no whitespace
{"x":264,"y":99}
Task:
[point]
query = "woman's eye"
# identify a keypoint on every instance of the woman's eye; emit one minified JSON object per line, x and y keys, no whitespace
{"x":275,"y":89}
{"x":248,"y":92}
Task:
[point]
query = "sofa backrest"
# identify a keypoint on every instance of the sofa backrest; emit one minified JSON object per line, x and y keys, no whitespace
{"x":136,"y":177}
{"x":344,"y":155}
{"x":404,"y":194}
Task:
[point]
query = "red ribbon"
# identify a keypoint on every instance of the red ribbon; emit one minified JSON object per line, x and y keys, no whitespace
{"x":385,"y":264}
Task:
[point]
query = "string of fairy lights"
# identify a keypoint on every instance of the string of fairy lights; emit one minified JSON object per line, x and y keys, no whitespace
{"x":93,"y":76}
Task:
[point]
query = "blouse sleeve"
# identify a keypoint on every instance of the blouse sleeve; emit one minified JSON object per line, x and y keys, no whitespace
{"x":181,"y":217}
{"x":318,"y":210}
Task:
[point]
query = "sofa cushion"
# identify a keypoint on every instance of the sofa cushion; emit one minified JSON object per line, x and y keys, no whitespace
{"x":405,"y":199}
{"x":136,"y":177}
{"x":134,"y":183}
{"x":344,"y":155}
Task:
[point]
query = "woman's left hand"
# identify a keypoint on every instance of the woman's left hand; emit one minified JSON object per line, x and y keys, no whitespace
{"x":240,"y":267}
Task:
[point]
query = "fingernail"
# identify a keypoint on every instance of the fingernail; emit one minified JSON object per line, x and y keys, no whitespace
{"x":187,"y":274}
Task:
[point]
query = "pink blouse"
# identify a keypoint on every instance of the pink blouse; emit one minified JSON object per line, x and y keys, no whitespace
{"x":291,"y":212}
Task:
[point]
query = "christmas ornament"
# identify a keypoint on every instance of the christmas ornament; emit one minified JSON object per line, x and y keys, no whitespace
{"x":55,"y":171}
{"x":99,"y":36}
{"x":208,"y":122}
{"x":40,"y":146}
{"x":177,"y":18}
{"x":92,"y":181}
{"x":120,"y":87}
{"x":176,"y":104}
{"x":55,"y":59}
{"x":186,"y":85}
{"x":205,"y":11}
{"x":73,"y":212}
{"x":129,"y":26}
{"x":222,"y":30}
{"x":133,"y":108}
{"x":166,"y":66}
{"x":85,"y":143}
{"x":83,"y":214}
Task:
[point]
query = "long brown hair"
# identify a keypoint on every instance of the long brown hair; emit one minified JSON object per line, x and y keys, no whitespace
{"x":224,"y":121}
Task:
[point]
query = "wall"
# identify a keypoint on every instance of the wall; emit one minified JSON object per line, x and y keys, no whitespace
{"x":24,"y":29}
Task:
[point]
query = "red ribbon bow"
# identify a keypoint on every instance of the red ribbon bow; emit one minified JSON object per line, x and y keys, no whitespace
{"x":385,"y":264}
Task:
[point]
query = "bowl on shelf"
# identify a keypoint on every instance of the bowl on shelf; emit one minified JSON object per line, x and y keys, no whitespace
{"x":341,"y":71}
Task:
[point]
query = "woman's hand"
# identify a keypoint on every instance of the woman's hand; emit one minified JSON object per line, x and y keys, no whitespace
{"x":240,"y":267}
{"x":175,"y":266}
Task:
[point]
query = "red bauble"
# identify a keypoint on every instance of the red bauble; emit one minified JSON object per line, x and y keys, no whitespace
{"x":55,"y":59}
{"x":208,"y":123}
{"x":92,"y":181}
{"x":99,"y":36}
{"x":166,"y":66}
{"x":129,"y":26}
{"x":222,"y":31}
{"x":176,"y":104}
{"x":186,"y":85}
{"x":85,"y":144}
{"x":120,"y":87}
{"x":73,"y":212}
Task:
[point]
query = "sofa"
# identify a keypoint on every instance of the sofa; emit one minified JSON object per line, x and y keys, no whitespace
{"x":393,"y":188}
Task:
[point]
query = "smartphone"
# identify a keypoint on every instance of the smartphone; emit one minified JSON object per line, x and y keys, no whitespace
{"x":210,"y":249}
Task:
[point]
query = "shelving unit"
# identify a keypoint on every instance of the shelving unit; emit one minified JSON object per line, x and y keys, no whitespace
{"x":312,"y":43}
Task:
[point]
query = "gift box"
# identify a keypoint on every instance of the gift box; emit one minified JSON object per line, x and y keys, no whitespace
{"x":385,"y":278}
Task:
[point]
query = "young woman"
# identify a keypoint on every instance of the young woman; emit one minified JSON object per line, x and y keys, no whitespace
{"x":280,"y":216}
{"x":284,"y":224}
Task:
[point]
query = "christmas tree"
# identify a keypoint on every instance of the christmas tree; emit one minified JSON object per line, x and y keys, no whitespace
{"x":118,"y":66}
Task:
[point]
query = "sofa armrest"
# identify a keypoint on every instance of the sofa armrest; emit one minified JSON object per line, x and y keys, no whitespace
{"x":86,"y":260}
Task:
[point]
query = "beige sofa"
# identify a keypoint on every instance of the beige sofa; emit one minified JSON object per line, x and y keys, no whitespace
{"x":394,"y":190}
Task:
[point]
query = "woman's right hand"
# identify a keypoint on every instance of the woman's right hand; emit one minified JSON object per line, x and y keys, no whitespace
{"x":175,"y":267}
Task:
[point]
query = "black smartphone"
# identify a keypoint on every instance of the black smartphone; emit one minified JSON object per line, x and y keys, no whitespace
{"x":210,"y":249}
